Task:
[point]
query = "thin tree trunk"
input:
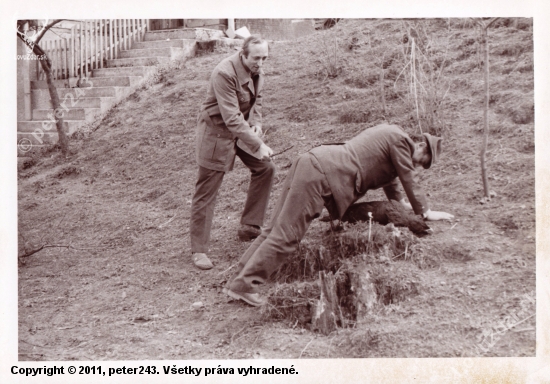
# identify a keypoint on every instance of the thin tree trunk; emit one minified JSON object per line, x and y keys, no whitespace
{"x":485,"y":42}
{"x":485,"y":115}
{"x":63,"y":141}
{"x":382,"y":93}
{"x":46,"y":66}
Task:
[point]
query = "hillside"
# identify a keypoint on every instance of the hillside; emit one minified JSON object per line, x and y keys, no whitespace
{"x":125,"y":286}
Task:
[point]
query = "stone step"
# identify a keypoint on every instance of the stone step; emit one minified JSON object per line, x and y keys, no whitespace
{"x":170,"y":34}
{"x":42,"y":84}
{"x":113,"y":81}
{"x":74,"y":113}
{"x":26,"y":139}
{"x":121,"y":71}
{"x":39,"y":129}
{"x":137,"y":62}
{"x":82,"y":102}
{"x":68,"y":94}
{"x":171,"y":52}
{"x":178,"y":43}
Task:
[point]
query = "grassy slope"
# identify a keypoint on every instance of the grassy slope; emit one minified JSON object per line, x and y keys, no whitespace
{"x":128,"y":295}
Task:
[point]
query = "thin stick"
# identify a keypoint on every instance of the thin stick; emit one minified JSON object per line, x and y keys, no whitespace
{"x":283,"y":151}
{"x":169,"y":221}
{"x":307,"y":345}
{"x":227,"y":270}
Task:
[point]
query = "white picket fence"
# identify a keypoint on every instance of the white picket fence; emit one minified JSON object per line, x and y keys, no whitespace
{"x":90,"y":44}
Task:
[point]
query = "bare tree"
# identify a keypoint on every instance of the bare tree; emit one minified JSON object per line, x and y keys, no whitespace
{"x":484,"y":26}
{"x":33,"y":44}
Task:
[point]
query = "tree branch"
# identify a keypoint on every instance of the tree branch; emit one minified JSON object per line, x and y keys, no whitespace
{"x":45,"y":29}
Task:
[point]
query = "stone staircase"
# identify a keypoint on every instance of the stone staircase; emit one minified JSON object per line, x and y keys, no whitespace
{"x":82,"y":103}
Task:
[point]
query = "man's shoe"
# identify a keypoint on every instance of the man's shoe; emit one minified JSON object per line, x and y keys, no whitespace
{"x":248,"y":232}
{"x":202,"y":261}
{"x":253,"y":299}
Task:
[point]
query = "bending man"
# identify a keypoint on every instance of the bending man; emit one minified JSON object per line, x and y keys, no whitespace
{"x":335,"y":176}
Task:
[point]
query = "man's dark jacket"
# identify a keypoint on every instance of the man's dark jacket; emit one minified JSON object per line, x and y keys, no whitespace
{"x":232,"y":105}
{"x":375,"y":158}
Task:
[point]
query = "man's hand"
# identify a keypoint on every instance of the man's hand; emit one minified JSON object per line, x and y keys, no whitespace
{"x":265,"y":152}
{"x":436,"y":215}
{"x":405,"y":204}
{"x":257,"y":130}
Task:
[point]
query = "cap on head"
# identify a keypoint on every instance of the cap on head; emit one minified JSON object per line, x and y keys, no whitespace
{"x":434,"y":143}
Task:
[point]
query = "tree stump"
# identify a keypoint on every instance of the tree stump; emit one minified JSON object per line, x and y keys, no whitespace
{"x":365,"y":297}
{"x":326,"y":314}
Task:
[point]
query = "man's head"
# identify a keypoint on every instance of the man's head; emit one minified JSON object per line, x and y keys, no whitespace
{"x":427,"y":152}
{"x":254,"y":53}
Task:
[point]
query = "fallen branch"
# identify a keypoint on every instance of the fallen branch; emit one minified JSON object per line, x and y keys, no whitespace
{"x":307,"y":345}
{"x":283,"y":151}
{"x":30,"y":253}
{"x":168,"y":222}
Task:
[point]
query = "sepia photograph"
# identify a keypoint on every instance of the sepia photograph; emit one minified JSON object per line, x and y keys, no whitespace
{"x":279,"y":188}
{"x":232,"y":197}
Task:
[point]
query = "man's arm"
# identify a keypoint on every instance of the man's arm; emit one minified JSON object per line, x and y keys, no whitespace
{"x":225,"y":90}
{"x":402,"y":159}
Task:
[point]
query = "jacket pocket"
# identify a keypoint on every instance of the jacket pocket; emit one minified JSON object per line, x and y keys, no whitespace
{"x":216,"y":147}
{"x":244,"y":97}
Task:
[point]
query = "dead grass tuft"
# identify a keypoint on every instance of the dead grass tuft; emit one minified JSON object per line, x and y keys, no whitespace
{"x":292,"y":302}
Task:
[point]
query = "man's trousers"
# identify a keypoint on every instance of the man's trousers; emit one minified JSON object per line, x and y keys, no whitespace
{"x":206,"y":192}
{"x":302,"y":199}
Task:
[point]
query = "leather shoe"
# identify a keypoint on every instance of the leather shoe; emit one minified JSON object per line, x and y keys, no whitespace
{"x":248,"y":232}
{"x":253,"y":299}
{"x":202,"y":261}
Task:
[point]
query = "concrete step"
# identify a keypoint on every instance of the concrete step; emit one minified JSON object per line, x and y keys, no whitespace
{"x":74,"y":113}
{"x":171,"y":52}
{"x":137,"y":62}
{"x":113,"y":81}
{"x":83,"y":102}
{"x":121,"y":71}
{"x":178,"y":43}
{"x":26,"y":139}
{"x":42,"y":84}
{"x":37,"y":131}
{"x":69,"y":94}
{"x":107,"y":81}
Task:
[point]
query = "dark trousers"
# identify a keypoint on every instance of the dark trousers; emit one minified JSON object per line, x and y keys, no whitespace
{"x":206,"y":192}
{"x":302,"y":199}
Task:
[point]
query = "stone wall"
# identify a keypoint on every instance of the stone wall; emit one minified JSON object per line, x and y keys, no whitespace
{"x":277,"y":29}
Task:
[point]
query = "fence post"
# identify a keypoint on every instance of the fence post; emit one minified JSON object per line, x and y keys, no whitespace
{"x":66,"y":44}
{"x":110,"y":39}
{"x":121,"y":33}
{"x":55,"y":66}
{"x":94,"y":24}
{"x":88,"y":47}
{"x":124,"y":26}
{"x":81,"y":50}
{"x":71,"y":72}
{"x":101,"y":38}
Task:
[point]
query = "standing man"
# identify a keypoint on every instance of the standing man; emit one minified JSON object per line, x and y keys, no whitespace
{"x":335,"y":176}
{"x":231,"y":115}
